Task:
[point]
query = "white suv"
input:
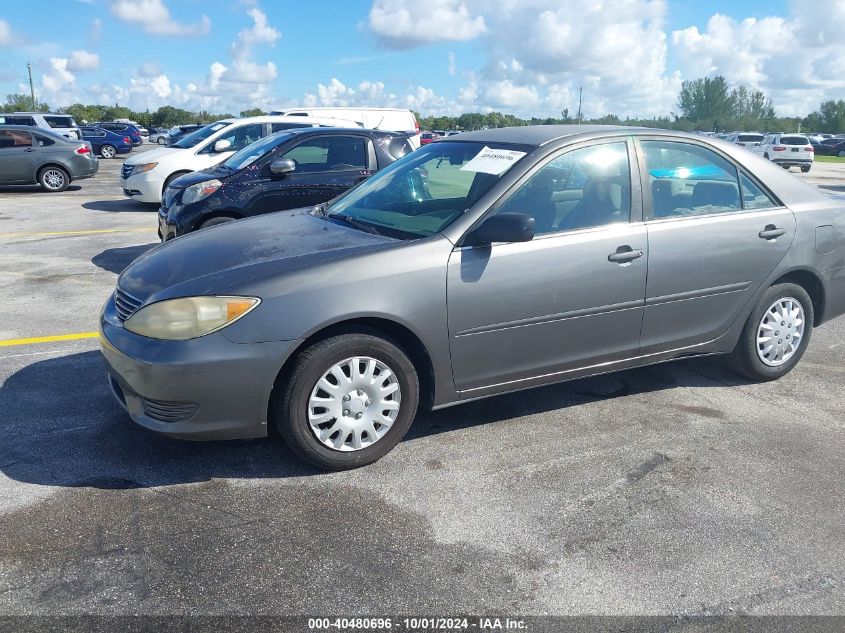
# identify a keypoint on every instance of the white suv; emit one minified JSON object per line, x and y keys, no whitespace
{"x":787,"y":150}
{"x":145,"y":176}
{"x":61,"y":124}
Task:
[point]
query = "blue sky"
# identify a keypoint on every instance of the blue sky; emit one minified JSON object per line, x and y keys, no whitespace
{"x":437,"y":56}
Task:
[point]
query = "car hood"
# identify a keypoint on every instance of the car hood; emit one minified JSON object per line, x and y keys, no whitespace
{"x":152,"y":156}
{"x":216,"y":259}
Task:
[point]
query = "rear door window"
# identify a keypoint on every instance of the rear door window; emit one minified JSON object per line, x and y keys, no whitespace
{"x":753,"y":197}
{"x":14,"y":138}
{"x":688,"y":180}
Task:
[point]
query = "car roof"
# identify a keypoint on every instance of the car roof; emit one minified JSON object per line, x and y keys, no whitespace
{"x":539,"y":135}
{"x":42,"y":113}
{"x":344,"y":130}
{"x":36,"y":130}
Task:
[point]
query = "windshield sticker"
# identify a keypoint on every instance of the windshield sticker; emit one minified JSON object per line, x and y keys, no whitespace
{"x":493,"y":161}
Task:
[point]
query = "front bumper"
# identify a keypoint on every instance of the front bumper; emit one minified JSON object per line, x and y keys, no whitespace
{"x":207,"y":388}
{"x":145,"y":187}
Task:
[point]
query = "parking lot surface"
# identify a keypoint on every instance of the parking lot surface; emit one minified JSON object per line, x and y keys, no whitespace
{"x":678,"y":489}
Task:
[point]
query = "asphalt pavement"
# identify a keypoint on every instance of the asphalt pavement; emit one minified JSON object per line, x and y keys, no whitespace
{"x":676,"y":489}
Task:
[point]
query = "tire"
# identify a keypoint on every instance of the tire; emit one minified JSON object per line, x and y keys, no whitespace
{"x":53,"y":179}
{"x":766,"y":156}
{"x":170,"y":179}
{"x":841,"y":154}
{"x":747,"y":357}
{"x":108,"y":151}
{"x":161,"y":140}
{"x":805,"y":169}
{"x":294,"y":412}
{"x":223,"y":219}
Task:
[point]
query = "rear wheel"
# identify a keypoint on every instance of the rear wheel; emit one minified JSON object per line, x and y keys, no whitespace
{"x":347,"y":401}
{"x":53,"y":179}
{"x":805,"y":169}
{"x":108,"y":151}
{"x":776,"y":335}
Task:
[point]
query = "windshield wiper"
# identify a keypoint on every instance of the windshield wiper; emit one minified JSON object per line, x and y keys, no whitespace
{"x":364,"y":226}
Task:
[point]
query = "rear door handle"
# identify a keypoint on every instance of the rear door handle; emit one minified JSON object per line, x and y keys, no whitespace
{"x":624,"y":254}
{"x":771,"y":232}
{"x":29,"y":149}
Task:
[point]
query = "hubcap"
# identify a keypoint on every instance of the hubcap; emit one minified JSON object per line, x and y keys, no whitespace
{"x":54,"y":179}
{"x":354,"y":404}
{"x":107,"y":152}
{"x":780,"y":332}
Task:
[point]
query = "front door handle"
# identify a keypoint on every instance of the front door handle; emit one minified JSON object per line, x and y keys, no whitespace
{"x":29,"y":149}
{"x":624,"y":254}
{"x":771,"y":232}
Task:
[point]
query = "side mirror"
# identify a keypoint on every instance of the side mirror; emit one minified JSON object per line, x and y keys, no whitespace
{"x":502,"y":227}
{"x":282,"y":166}
{"x":222,"y":145}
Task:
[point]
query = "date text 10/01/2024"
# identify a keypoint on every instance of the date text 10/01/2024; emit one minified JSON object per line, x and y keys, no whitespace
{"x":418,"y":623}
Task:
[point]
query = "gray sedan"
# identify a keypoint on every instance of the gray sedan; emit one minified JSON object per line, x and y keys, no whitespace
{"x":32,"y":155}
{"x":480,"y":264}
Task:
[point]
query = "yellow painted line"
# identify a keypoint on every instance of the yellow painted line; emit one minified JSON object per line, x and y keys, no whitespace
{"x":48,"y":339}
{"x":89,"y":232}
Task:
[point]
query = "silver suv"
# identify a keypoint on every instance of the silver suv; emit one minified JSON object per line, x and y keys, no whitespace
{"x":61,"y":124}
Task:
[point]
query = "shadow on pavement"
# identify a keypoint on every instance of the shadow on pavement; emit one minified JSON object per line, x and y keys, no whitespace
{"x":61,"y":426}
{"x":115,"y":260}
{"x":120,"y":206}
{"x":34,"y":189}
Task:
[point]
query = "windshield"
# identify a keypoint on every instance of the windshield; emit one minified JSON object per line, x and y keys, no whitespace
{"x":254,"y":151}
{"x":424,"y":192}
{"x":201,"y":134}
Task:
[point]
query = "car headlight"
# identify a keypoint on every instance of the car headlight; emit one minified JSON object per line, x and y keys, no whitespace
{"x":140,"y":169}
{"x":201,"y":190}
{"x":188,"y":317}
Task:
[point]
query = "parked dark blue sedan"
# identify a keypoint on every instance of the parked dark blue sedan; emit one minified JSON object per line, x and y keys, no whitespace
{"x":106,"y":143}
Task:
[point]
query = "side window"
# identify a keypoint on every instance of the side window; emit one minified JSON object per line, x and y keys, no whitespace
{"x":689,"y":179}
{"x":241,"y":136}
{"x":329,"y":153}
{"x":753,"y":197}
{"x":278,"y":127}
{"x":583,"y":188}
{"x":14,"y":138}
{"x":44,"y":141}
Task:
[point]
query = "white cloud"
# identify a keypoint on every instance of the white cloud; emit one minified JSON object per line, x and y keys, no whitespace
{"x":5,"y":33}
{"x":403,"y":24}
{"x":798,"y":60}
{"x":154,"y":17}
{"x":451,"y":63}
{"x":58,"y":83}
{"x":83,"y":60}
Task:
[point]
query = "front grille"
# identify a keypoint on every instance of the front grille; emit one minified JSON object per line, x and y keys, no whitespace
{"x":126,"y":171}
{"x":169,"y":411}
{"x":125,"y":304}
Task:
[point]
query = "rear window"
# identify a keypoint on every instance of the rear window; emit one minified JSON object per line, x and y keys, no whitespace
{"x":60,"y":121}
{"x":794,"y":140}
{"x":750,"y":138}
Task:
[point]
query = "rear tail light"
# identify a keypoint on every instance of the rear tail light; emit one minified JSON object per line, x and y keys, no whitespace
{"x":810,"y":148}
{"x":126,"y":139}
{"x":83,"y":150}
{"x":778,"y":148}
{"x":416,"y":125}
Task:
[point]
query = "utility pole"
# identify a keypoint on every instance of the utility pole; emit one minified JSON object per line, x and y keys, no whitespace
{"x":31,"y":89}
{"x":580,"y":88}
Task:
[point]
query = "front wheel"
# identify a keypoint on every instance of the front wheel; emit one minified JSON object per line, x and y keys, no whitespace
{"x":161,"y":140}
{"x":776,"y":335}
{"x":107,"y":151}
{"x":348,"y":401}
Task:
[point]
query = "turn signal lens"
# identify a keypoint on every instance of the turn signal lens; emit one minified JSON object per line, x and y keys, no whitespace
{"x":188,"y":317}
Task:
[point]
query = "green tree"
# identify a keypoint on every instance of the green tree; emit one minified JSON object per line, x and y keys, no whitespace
{"x":252,"y":112}
{"x":707,"y":101}
{"x":17,"y":102}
